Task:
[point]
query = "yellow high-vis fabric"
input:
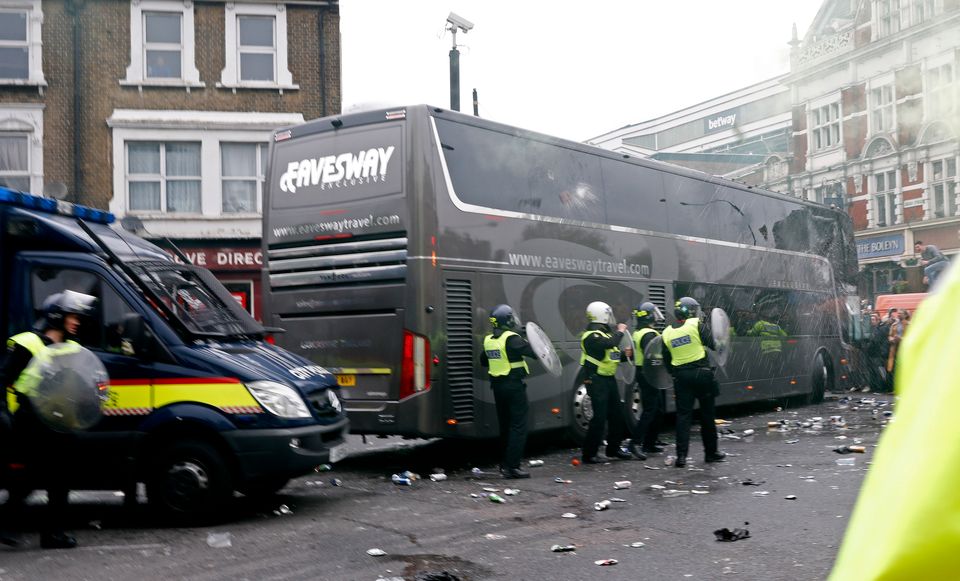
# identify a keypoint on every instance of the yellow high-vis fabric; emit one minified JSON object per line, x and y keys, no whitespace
{"x":770,"y":337}
{"x":684,"y":343}
{"x":637,"y":350}
{"x":496,"y":350}
{"x":906,"y":523}
{"x":611,"y":357}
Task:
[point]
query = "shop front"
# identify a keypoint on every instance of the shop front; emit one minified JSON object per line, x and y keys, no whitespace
{"x":235,"y":263}
{"x":881,"y":271}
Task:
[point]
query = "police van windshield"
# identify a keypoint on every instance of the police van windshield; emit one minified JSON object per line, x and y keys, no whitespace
{"x":193,"y":300}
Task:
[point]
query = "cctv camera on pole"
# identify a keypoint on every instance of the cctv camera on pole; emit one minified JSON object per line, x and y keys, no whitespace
{"x":456,"y":23}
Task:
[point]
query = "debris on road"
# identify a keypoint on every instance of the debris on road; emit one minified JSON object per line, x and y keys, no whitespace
{"x":602,"y":505}
{"x":575,"y":461}
{"x":850,"y":449}
{"x":323,"y":468}
{"x":748,"y":432}
{"x":336,"y":482}
{"x":621,"y":484}
{"x":511,"y":491}
{"x":657,"y":487}
{"x":794,"y":441}
{"x":618,"y":500}
{"x":494,"y":497}
{"x":672,"y":492}
{"x":751,"y":482}
{"x":401,"y":481}
{"x":438,"y":477}
{"x":376,"y":552}
{"x":559,"y":480}
{"x":790,"y":497}
{"x":535,"y":463}
{"x":606,"y":562}
{"x":636,"y":545}
{"x":700,"y":491}
{"x":728,"y":536}
{"x":282,"y":509}
{"x":494,"y":537}
{"x":761,"y":493}
{"x":568,"y":515}
{"x":846,"y":461}
{"x":219,"y":540}
{"x":563,"y":548}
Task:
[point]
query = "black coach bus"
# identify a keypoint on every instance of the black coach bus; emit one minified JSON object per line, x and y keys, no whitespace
{"x":388,"y":235}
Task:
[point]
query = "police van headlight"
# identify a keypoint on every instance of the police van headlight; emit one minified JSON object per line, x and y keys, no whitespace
{"x":334,"y":401}
{"x":279,"y":399}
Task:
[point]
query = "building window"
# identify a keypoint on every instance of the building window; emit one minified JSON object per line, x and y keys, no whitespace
{"x":924,"y":10}
{"x":15,"y":161}
{"x":256,"y":47}
{"x":162,"y":44}
{"x":163,"y":177}
{"x":825,"y":126}
{"x":20,"y":29}
{"x":944,"y":186}
{"x":881,"y":100}
{"x":940,"y":92}
{"x":885,"y":200}
{"x":242,"y":167}
{"x":888,"y":17}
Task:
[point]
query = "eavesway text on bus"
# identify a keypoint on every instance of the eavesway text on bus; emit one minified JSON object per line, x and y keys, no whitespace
{"x":364,"y":166}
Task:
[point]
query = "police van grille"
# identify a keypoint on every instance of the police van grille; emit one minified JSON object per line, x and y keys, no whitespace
{"x":337,"y":263}
{"x":658,"y":296}
{"x":459,"y":308}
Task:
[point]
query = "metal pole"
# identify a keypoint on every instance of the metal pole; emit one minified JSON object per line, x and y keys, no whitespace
{"x":476,"y":104}
{"x":454,"y":79}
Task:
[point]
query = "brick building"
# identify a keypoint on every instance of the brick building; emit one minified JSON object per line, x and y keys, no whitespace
{"x":161,"y":110}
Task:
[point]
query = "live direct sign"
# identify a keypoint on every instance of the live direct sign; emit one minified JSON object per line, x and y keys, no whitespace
{"x":879,"y":246}
{"x":224,"y":258}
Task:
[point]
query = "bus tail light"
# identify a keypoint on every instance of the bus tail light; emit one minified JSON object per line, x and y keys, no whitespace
{"x":843,"y":362}
{"x":415,"y":368}
{"x":269,"y":338}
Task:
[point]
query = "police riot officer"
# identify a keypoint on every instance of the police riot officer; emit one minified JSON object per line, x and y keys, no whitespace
{"x":503,"y":352}
{"x":43,"y":452}
{"x":600,"y":355}
{"x":685,"y":357}
{"x":653,"y":400}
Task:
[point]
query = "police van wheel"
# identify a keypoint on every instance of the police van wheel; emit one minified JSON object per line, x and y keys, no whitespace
{"x":580,"y":414}
{"x":821,"y":379}
{"x":189,"y":482}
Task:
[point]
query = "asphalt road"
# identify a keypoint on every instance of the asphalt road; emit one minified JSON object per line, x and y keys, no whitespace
{"x":317,"y":530}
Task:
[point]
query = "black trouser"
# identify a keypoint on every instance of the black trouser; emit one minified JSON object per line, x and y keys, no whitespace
{"x":512,"y":408}
{"x":654,"y":402}
{"x":690,"y":385}
{"x":607,"y":411}
{"x":42,"y":459}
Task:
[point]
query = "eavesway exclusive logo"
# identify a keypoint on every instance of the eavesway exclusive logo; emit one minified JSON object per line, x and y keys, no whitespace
{"x":337,"y":171}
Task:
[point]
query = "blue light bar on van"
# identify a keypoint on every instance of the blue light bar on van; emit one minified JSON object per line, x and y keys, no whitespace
{"x":51,"y":206}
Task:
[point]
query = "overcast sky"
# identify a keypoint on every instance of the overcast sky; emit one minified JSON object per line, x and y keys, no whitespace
{"x":570,"y":69}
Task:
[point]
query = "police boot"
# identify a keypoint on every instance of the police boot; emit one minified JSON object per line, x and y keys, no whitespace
{"x":680,"y":462}
{"x":515,"y":473}
{"x":58,"y":540}
{"x":716,"y":457}
{"x":635,"y":450}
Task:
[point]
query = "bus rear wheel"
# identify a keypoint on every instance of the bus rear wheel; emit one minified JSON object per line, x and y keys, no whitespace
{"x":821,"y":379}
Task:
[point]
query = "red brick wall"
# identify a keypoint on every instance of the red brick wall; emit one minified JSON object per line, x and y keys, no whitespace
{"x":858,"y":213}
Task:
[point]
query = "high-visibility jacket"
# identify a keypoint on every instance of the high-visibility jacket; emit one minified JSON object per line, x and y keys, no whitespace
{"x":32,"y":343}
{"x":611,"y":357}
{"x":29,"y":379}
{"x":496,"y":350}
{"x":684,"y":343}
{"x":906,"y":523}
{"x":637,"y":349}
{"x":770,"y":337}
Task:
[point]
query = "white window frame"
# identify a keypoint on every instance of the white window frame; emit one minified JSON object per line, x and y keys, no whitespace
{"x":947,"y":182}
{"x":230,"y":76}
{"x":924,"y":10}
{"x":163,"y":178}
{"x":888,"y":17}
{"x":941,"y":98}
{"x":27,"y":119}
{"x":137,"y":70}
{"x":832,"y":128}
{"x":887,"y":198}
{"x":882,"y":108}
{"x":259,"y":178}
{"x":34,"y":42}
{"x":210,"y":128}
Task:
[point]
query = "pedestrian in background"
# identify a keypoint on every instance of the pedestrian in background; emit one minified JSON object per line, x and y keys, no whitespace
{"x":600,"y":355}
{"x":932,"y":260}
{"x":503,"y":353}
{"x":685,"y":356}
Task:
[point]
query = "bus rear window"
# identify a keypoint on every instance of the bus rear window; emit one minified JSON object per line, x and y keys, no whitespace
{"x":337,"y":167}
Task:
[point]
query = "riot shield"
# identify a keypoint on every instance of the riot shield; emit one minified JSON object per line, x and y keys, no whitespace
{"x":543,"y":347}
{"x":71,"y":387}
{"x":720,"y":328}
{"x":627,"y":369}
{"x":654,"y":368}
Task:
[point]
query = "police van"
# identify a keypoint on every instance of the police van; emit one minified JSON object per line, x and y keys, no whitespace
{"x":201,"y":403}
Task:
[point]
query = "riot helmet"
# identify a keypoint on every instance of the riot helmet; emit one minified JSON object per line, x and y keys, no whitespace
{"x":686,"y":308}
{"x":600,"y":312}
{"x":503,"y":317}
{"x":57,"y":306}
{"x":647,"y":313}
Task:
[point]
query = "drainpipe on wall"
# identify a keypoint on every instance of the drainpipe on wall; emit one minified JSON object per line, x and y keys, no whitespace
{"x":73,"y":7}
{"x":323,"y":64}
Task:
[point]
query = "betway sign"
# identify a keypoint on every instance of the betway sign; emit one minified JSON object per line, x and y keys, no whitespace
{"x":721,"y":121}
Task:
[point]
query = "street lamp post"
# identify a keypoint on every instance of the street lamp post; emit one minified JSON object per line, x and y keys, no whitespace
{"x":456,"y":23}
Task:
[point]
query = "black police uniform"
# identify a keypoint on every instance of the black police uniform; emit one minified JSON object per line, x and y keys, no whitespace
{"x":654,"y":402}
{"x":41,"y":458}
{"x":694,"y":382}
{"x":510,"y":395}
{"x":604,"y":397}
